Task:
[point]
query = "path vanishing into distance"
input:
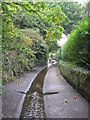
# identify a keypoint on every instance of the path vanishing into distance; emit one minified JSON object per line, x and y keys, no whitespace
{"x":60,"y":99}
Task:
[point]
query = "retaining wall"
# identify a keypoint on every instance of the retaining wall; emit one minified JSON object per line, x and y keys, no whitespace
{"x":79,"y":78}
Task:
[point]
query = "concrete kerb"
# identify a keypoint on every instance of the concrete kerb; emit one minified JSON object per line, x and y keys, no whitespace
{"x":24,"y":95}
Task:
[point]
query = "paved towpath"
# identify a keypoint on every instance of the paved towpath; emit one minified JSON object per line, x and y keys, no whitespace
{"x":60,"y":99}
{"x":13,"y":99}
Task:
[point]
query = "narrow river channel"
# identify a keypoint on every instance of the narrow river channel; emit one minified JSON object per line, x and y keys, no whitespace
{"x":33,"y":106}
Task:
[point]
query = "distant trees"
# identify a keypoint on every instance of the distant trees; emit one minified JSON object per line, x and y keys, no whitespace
{"x":75,"y":13}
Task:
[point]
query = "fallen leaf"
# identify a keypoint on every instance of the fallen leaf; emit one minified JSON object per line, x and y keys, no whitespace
{"x":75,"y":97}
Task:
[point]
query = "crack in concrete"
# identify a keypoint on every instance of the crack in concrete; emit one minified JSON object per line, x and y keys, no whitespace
{"x":21,"y":92}
{"x":50,"y":93}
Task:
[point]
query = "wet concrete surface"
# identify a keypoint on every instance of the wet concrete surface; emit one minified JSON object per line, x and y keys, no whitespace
{"x":57,"y":100}
{"x":14,"y":94}
{"x":67,"y":102}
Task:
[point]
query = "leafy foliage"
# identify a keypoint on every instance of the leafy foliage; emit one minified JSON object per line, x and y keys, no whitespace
{"x":24,"y":54}
{"x":29,"y":31}
{"x":38,"y":45}
{"x":77,"y":47}
{"x":0,"y":53}
{"x":75,"y":13}
{"x":58,"y":54}
{"x":40,"y":15}
{"x":19,"y":47}
{"x":44,"y":16}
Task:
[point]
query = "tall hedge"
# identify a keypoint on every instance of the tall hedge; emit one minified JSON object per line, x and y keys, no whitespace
{"x":77,"y":47}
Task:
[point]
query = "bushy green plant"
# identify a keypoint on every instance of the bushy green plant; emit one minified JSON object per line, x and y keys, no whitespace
{"x":23,"y":48}
{"x":58,"y":54}
{"x":38,"y":45}
{"x":77,"y":47}
{"x":21,"y":51}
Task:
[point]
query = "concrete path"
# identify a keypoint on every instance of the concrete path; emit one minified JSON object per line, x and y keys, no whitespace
{"x":13,"y":99}
{"x":60,"y":99}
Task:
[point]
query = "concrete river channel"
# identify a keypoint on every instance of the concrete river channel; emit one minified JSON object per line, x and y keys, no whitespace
{"x":33,"y":106}
{"x":50,"y":96}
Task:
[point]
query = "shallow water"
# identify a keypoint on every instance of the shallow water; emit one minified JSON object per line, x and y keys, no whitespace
{"x":33,"y":106}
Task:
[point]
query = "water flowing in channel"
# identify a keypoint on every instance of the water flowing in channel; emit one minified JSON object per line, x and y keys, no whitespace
{"x":33,"y":106}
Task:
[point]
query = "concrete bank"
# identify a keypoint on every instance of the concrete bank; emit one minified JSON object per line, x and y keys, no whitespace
{"x":78,"y":77}
{"x":13,"y":98}
{"x":60,"y":99}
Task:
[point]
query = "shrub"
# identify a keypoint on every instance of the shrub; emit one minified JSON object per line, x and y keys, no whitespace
{"x":77,"y":47}
{"x":21,"y":53}
{"x":58,"y":54}
{"x":33,"y":38}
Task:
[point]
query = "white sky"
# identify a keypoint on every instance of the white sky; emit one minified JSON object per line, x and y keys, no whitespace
{"x":62,"y":40}
{"x":82,"y":1}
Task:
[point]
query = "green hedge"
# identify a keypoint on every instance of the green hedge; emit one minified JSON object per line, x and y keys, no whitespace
{"x":77,"y":47}
{"x":78,"y":77}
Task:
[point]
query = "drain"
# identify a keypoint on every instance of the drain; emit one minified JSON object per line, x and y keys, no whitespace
{"x":50,"y":93}
{"x":21,"y":92}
